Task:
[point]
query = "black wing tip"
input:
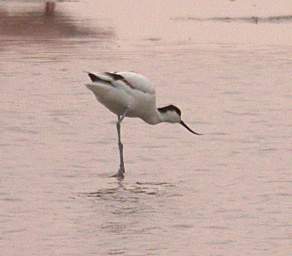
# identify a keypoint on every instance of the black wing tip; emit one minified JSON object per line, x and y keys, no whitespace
{"x":93,"y":77}
{"x":114,"y":75}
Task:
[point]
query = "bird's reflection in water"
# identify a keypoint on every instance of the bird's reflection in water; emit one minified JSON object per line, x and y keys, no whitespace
{"x":50,"y":7}
{"x":121,"y":191}
{"x":120,"y":200}
{"x":47,"y":22}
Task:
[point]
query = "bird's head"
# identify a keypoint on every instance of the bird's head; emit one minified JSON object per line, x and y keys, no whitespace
{"x":172,"y":114}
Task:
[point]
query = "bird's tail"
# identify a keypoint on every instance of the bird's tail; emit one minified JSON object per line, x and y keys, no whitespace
{"x":98,"y":82}
{"x":100,"y":78}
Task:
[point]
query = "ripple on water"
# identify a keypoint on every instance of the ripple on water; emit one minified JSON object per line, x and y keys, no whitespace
{"x":131,"y":192}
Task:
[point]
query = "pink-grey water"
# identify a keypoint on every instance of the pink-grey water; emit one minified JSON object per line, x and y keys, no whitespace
{"x":227,"y":65}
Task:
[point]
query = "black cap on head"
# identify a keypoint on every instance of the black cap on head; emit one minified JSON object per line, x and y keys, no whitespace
{"x":170,"y":108}
{"x":177,"y":110}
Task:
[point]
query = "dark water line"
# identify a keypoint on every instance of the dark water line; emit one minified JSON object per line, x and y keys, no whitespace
{"x":248,"y":19}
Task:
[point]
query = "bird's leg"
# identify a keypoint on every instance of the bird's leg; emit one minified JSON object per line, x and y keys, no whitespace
{"x":122,"y":166}
{"x":121,"y":171}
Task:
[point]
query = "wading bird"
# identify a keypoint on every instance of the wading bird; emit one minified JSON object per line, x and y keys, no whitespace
{"x":128,"y":94}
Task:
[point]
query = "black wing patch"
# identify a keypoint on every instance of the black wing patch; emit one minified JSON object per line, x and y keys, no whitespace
{"x":114,"y":76}
{"x":93,"y":77}
{"x":117,"y":77}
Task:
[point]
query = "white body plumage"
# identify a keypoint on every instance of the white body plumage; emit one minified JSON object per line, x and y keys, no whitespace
{"x":137,"y":96}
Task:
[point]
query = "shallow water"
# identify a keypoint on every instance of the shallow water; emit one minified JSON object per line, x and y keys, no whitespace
{"x":225,"y":193}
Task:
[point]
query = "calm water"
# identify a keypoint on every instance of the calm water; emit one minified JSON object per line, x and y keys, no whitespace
{"x":225,"y":193}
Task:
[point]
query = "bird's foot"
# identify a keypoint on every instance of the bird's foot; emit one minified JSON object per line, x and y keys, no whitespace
{"x":120,"y":173}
